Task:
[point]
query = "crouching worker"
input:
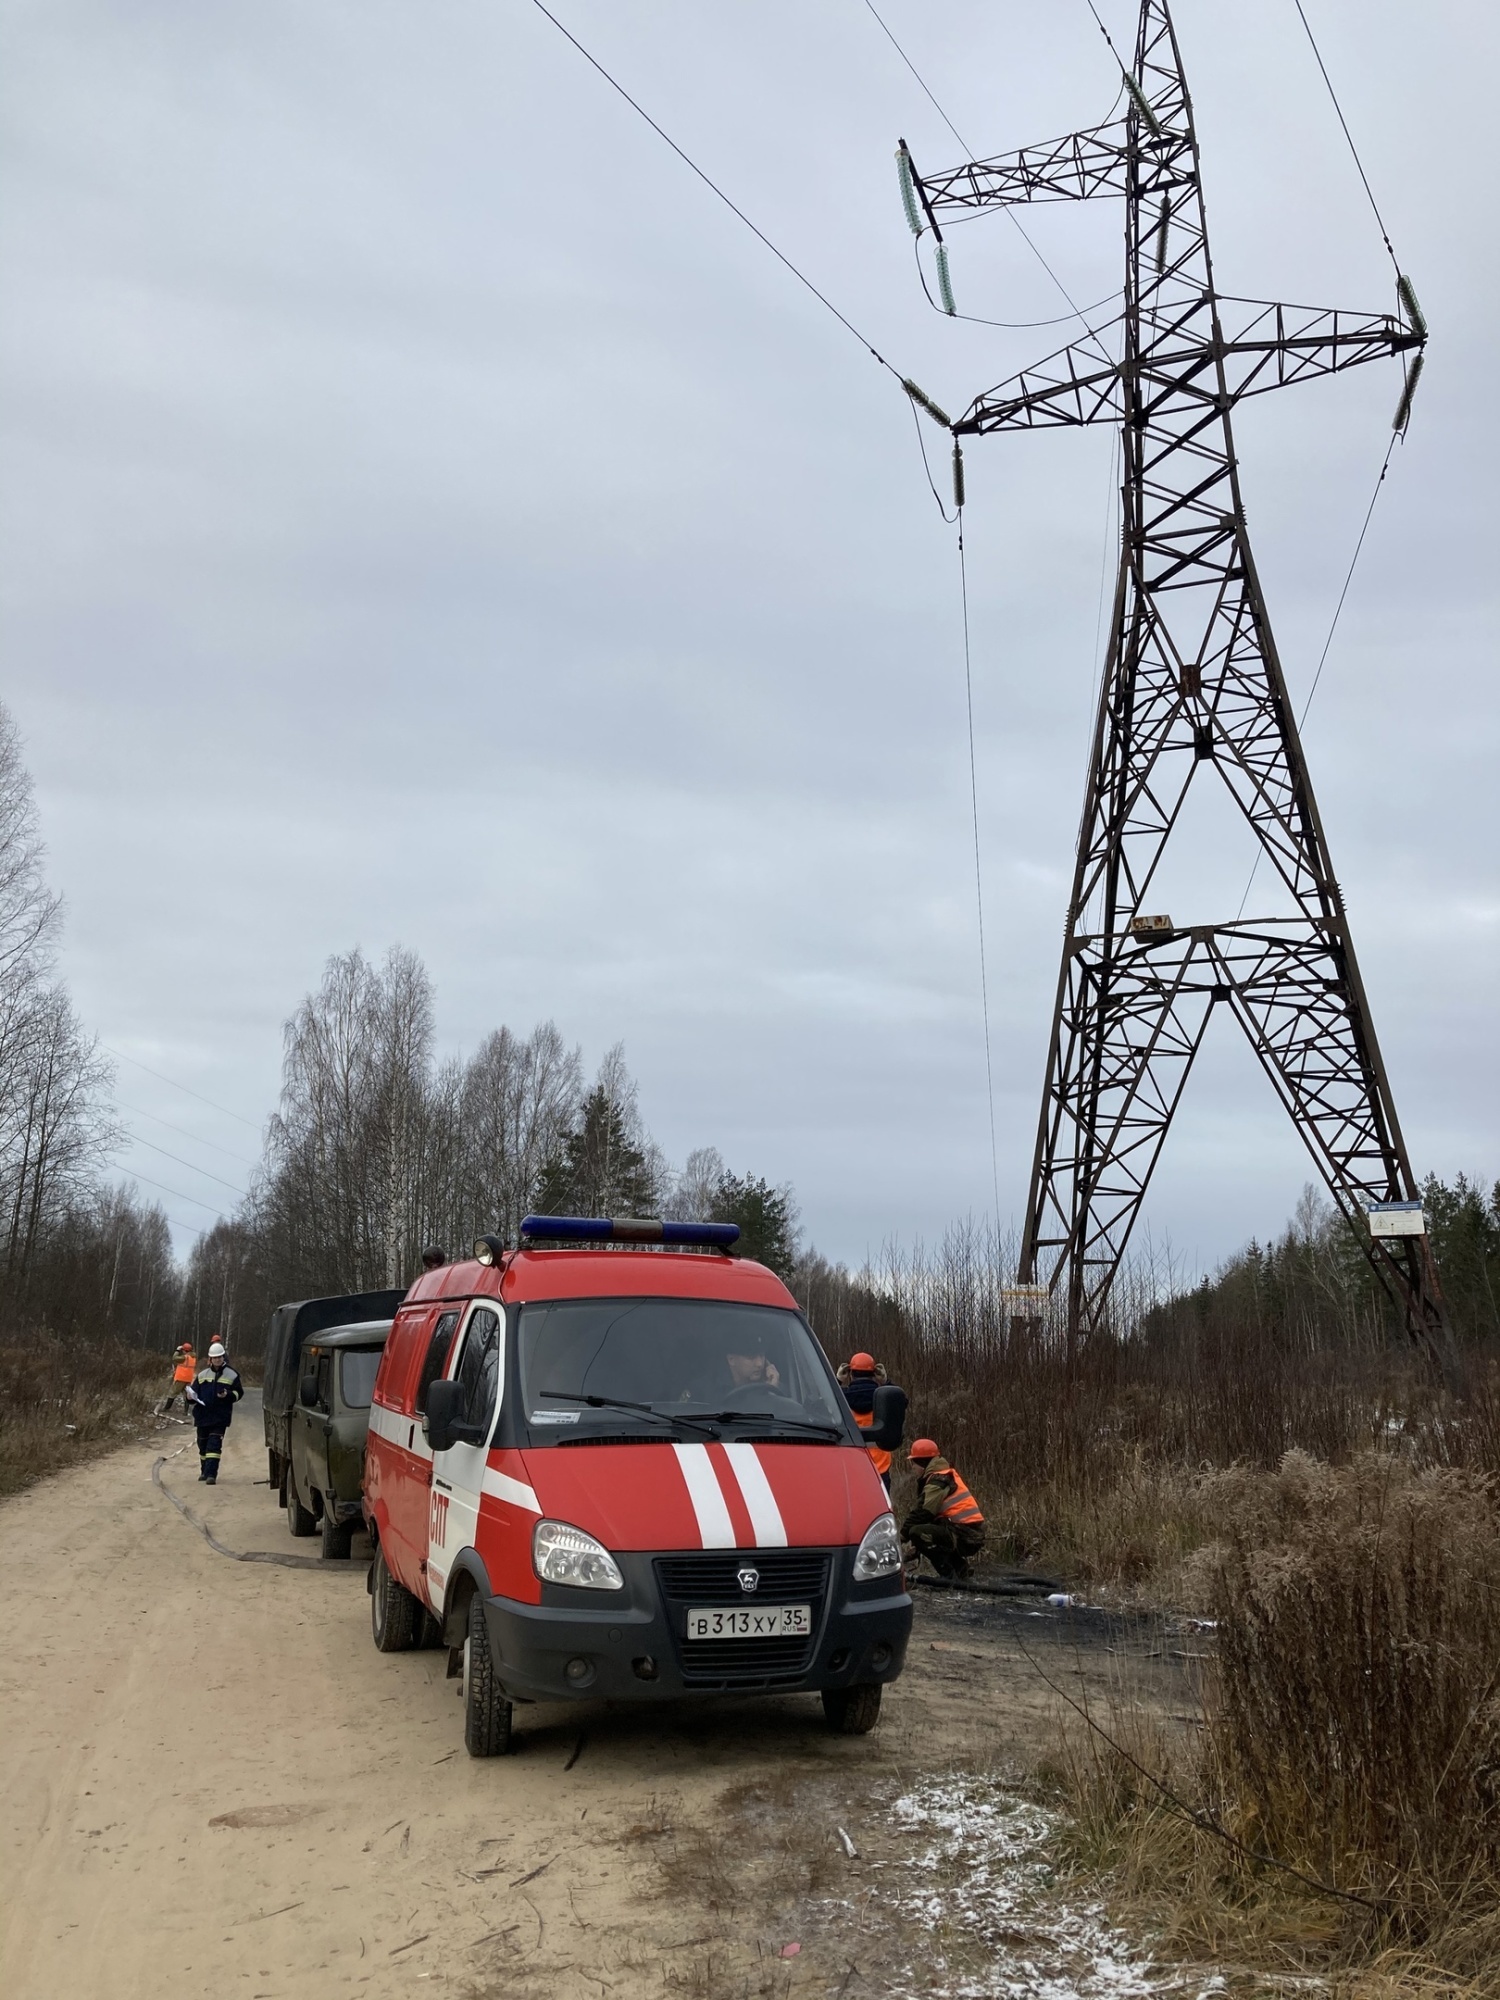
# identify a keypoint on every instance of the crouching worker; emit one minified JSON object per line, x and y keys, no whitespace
{"x":215,"y":1391}
{"x":946,"y":1525}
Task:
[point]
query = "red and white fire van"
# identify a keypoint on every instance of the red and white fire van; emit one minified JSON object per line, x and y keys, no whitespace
{"x":623,"y":1471}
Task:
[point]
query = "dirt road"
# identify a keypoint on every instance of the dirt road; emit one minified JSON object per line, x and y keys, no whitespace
{"x":211,"y":1782}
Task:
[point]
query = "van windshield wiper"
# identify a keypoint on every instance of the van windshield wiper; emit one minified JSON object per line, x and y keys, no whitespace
{"x":619,"y":1403}
{"x":778,"y":1422}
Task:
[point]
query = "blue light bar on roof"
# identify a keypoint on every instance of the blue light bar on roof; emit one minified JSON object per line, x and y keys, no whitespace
{"x":631,"y":1229}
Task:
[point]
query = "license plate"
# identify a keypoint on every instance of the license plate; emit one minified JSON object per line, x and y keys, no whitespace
{"x":769,"y":1621}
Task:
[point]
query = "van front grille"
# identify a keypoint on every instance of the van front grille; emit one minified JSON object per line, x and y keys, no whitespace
{"x":786,"y":1576}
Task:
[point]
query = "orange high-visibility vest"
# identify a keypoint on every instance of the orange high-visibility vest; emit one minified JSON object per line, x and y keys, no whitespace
{"x":961,"y":1508}
{"x":185,"y":1370}
{"x":879,"y":1457}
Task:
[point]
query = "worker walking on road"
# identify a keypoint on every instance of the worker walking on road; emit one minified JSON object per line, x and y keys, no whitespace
{"x":862,"y":1380}
{"x":184,"y":1368}
{"x":946,"y":1525}
{"x":215,"y":1391}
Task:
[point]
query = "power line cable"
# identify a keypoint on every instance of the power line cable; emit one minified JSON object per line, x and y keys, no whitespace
{"x":177,"y":1194}
{"x":1006,"y":325}
{"x":734,"y":208}
{"x":120,"y":1053}
{"x":984,"y":981}
{"x":1354,"y":150}
{"x":927,"y":468}
{"x":1108,"y":42}
{"x":139,"y":1111}
{"x":1385,"y":466}
{"x":137,"y":1140}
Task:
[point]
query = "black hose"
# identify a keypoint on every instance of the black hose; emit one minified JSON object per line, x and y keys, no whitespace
{"x":237,"y":1555}
{"x":1020,"y":1586}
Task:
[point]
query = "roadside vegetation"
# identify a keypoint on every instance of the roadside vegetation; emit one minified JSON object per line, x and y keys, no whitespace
{"x":62,"y":1403}
{"x":1268,"y":1453}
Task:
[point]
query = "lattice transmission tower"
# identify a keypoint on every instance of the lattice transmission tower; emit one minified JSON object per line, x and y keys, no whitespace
{"x":1192,"y":694}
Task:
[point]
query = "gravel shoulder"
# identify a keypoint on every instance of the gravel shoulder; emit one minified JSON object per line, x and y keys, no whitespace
{"x":211,"y":1780}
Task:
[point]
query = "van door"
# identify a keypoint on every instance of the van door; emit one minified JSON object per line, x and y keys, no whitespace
{"x":409,"y":1498}
{"x":317,"y":1427}
{"x":458,"y":1473}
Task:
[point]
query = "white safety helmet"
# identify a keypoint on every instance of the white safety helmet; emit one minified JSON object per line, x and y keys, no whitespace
{"x":216,"y":1351}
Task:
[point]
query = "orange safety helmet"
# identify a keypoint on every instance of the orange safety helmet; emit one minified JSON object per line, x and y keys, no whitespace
{"x":861,"y":1364}
{"x":923,"y":1448}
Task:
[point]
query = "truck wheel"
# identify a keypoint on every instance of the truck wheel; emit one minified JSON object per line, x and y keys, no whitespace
{"x":486,"y":1710}
{"x":298,"y":1519}
{"x":337,"y":1535}
{"x":852,"y":1711}
{"x":393,"y":1611}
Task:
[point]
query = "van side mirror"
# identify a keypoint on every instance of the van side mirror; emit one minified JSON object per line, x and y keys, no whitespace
{"x":890,"y":1415}
{"x":309,"y":1392}
{"x":445,"y":1417}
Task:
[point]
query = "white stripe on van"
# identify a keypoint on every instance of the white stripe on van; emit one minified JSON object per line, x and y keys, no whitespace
{"x":765,"y":1515}
{"x":500,"y":1486}
{"x":715,"y":1529}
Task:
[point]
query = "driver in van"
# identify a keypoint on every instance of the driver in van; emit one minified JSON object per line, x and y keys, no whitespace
{"x":747,"y":1369}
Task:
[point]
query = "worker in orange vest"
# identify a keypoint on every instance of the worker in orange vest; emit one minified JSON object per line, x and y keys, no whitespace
{"x":184,"y":1368}
{"x":946,"y":1525}
{"x":877,"y":1406}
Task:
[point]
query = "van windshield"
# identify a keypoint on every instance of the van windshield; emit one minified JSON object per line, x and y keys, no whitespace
{"x":357,"y":1366}
{"x":678,"y":1362}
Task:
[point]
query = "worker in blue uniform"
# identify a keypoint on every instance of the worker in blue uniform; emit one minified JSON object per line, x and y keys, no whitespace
{"x":216,"y":1389}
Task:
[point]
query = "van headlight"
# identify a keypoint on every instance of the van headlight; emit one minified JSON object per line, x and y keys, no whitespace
{"x":561,"y":1554}
{"x":879,"y":1554}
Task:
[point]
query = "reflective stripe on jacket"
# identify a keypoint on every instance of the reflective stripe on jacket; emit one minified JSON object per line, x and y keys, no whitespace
{"x":215,"y":1393}
{"x":879,"y":1457}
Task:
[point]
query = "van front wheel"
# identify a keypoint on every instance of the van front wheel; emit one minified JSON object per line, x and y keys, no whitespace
{"x":853,"y":1711}
{"x":393,"y":1611}
{"x":299,"y":1519}
{"x":486,"y":1711}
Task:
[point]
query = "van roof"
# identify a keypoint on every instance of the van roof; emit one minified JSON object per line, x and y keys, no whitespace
{"x":573,"y":1274}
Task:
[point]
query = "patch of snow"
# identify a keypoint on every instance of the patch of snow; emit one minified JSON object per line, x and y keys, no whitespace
{"x":985,"y":1850}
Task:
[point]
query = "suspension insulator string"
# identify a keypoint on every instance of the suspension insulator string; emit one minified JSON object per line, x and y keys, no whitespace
{"x":908,"y":189}
{"x":924,"y":401}
{"x":1138,"y":99}
{"x":1161,"y":235}
{"x":945,"y":282}
{"x":958,"y":475}
{"x":1403,"y":409}
{"x":1416,"y":318}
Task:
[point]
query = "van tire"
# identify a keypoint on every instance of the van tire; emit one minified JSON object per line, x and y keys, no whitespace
{"x":337,"y":1535}
{"x":393,"y":1611}
{"x":487,"y":1713}
{"x":301,"y":1522}
{"x":852,"y":1711}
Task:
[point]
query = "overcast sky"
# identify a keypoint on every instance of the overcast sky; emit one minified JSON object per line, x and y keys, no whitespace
{"x":430,"y":517}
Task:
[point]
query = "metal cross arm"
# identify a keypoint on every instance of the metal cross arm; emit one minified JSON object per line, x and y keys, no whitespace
{"x":1067,"y":169}
{"x":1275,"y":345}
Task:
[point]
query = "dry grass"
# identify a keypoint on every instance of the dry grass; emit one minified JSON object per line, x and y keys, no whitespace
{"x":1353,"y":1736}
{"x":61,"y":1404}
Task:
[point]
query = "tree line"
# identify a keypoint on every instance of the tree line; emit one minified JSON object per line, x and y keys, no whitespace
{"x":379,"y":1149}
